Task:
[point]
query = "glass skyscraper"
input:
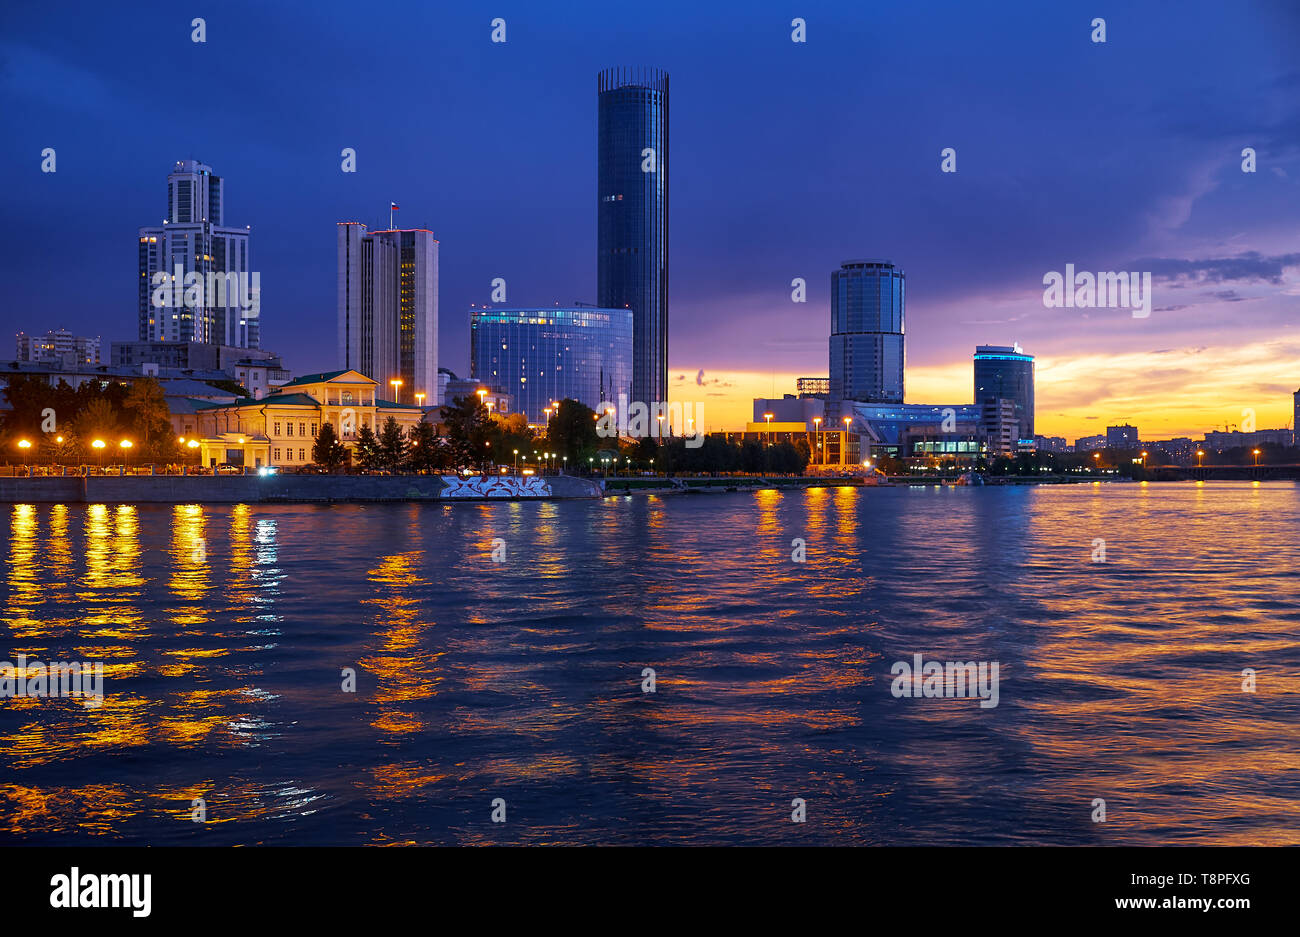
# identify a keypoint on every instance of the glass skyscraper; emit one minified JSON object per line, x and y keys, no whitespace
{"x":1006,"y":372}
{"x":544,"y":355}
{"x":867,"y":299}
{"x":632,"y":216}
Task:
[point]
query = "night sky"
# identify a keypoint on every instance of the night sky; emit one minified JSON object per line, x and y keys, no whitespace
{"x":786,"y":159}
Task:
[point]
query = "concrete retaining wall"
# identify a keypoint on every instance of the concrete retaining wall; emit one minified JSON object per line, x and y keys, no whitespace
{"x":42,"y":490}
{"x":248,"y":489}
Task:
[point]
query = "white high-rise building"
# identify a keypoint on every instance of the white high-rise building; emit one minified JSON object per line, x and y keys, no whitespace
{"x":388,"y":309}
{"x":193,"y":247}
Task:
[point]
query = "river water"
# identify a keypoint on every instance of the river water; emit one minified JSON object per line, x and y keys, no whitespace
{"x":225,"y":631}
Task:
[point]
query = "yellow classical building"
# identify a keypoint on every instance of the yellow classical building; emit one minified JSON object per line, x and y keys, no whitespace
{"x":280,"y":429}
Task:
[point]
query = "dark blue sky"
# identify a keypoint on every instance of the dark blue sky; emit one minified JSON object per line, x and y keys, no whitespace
{"x":786,"y":159}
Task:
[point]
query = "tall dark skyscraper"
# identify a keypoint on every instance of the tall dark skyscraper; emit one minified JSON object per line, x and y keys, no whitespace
{"x":632,"y":216}
{"x":1005,"y":372}
{"x":867,"y":298}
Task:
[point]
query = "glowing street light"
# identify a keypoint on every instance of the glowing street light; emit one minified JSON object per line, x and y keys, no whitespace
{"x":1256,"y":451}
{"x":1144,"y":458}
{"x":397,"y":389}
{"x":419,"y":399}
{"x":1200,"y":454}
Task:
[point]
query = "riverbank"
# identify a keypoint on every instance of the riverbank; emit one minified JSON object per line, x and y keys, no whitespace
{"x":283,"y":489}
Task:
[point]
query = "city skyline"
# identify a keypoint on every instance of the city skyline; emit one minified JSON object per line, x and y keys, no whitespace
{"x":1217,"y":240}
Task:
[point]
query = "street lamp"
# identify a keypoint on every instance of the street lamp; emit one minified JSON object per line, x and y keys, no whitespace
{"x":1256,"y":451}
{"x":1200,"y":453}
{"x":126,"y":451}
{"x":817,"y":422}
{"x":844,"y":456}
{"x":24,"y":445}
{"x":397,"y":389}
{"x":516,"y":461}
{"x":99,"y":444}
{"x":1144,"y":458}
{"x":419,"y":400}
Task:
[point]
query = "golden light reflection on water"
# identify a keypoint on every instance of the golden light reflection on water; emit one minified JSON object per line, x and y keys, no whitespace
{"x":222,"y":629}
{"x":404,"y":673}
{"x":1141,"y":661}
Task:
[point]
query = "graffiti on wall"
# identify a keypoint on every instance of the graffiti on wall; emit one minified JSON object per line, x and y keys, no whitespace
{"x":506,"y":486}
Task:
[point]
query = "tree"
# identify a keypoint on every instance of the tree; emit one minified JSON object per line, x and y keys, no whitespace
{"x":392,"y":446}
{"x":572,"y":430}
{"x":27,"y":397}
{"x":327,"y":451}
{"x":96,"y":419}
{"x":147,"y":407}
{"x":367,"y":449}
{"x":426,"y":451}
{"x":645,"y":454}
{"x":468,"y":428}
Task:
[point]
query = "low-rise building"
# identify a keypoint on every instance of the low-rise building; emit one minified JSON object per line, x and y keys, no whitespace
{"x":281,"y":428}
{"x":1220,"y":442}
